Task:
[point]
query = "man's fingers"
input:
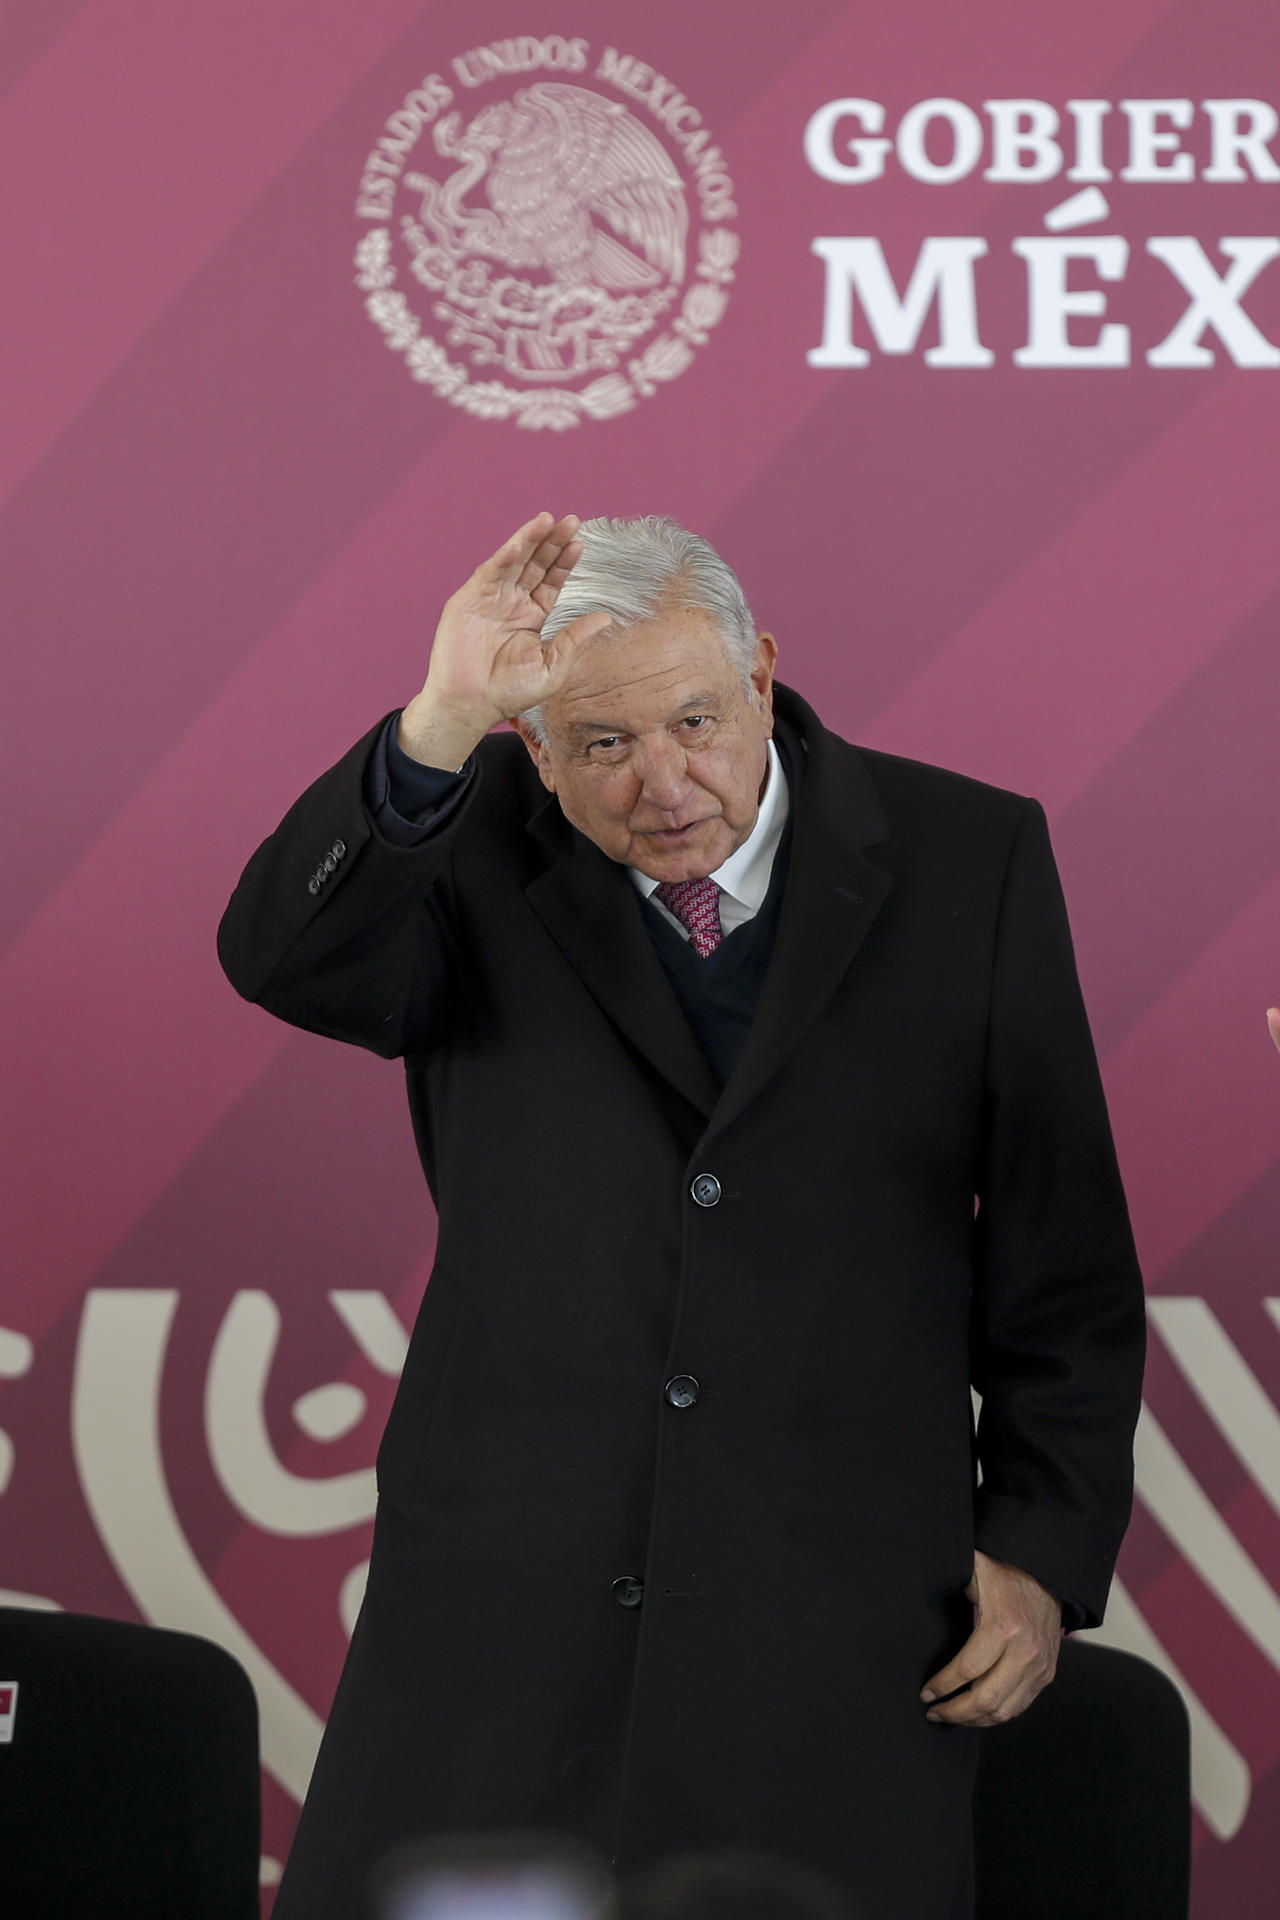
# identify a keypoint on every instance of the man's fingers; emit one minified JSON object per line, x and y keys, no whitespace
{"x":979,"y":1654}
{"x":518,"y":555}
{"x":1001,"y":1694}
{"x":560,"y":564}
{"x":555,"y":552}
{"x":515,"y":552}
{"x":1273,"y":1023}
{"x":572,"y":639}
{"x":1010,"y":1655}
{"x":536,"y":560}
{"x":544,"y":589}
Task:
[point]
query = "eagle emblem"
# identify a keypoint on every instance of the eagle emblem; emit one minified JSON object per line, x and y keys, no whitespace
{"x":552,"y":236}
{"x":559,"y":238}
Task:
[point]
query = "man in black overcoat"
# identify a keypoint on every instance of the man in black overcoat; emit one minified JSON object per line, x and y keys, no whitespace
{"x":684,"y":1536}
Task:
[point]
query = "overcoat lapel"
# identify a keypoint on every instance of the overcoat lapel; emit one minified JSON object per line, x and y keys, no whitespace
{"x":833,"y":894}
{"x":592,"y":911}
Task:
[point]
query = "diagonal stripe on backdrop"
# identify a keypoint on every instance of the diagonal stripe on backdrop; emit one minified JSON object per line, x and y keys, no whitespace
{"x":26,"y":32}
{"x":154,"y":163}
{"x":1230,"y":1611}
{"x":1120,"y":607}
{"x":1186,"y":814}
{"x":1188,"y":1082}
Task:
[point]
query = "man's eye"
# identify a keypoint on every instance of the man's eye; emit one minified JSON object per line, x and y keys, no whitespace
{"x":695,"y":722}
{"x":606,"y":743}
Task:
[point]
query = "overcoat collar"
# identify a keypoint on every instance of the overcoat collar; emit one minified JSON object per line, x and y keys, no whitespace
{"x":833,"y":893}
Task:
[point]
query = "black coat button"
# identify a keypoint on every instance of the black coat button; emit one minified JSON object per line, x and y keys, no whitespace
{"x":331,"y":863}
{"x":706,"y":1190}
{"x":682,"y":1390}
{"x":313,"y":885}
{"x":339,"y":848}
{"x":628,"y":1591}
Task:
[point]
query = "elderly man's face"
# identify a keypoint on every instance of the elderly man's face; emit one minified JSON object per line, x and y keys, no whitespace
{"x":656,"y":750}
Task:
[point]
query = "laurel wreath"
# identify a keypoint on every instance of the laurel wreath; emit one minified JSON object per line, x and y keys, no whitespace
{"x":555,"y":407}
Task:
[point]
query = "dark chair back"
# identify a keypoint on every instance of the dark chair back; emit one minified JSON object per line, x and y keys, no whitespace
{"x":1083,"y":1804}
{"x":130,"y":1784}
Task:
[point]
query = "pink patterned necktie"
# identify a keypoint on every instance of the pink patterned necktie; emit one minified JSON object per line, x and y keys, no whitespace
{"x":696,"y":905}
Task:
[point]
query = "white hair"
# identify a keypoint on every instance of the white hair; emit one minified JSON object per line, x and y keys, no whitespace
{"x":636,"y":569}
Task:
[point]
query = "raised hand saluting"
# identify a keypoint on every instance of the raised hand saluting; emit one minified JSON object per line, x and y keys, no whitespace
{"x":489,"y":661}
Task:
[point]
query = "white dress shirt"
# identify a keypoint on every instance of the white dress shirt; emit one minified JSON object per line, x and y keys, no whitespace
{"x":743,"y":880}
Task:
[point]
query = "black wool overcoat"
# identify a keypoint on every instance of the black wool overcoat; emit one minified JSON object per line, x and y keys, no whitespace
{"x":664,"y":1621}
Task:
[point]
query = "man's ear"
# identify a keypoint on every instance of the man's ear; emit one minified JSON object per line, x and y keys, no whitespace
{"x":762,"y":670}
{"x":537,"y":752}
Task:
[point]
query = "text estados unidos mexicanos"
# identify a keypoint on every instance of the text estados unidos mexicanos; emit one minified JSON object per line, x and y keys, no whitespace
{"x":424,"y":104}
{"x":1027,"y":142}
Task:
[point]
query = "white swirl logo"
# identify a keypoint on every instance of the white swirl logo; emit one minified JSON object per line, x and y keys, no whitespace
{"x":116,"y":1434}
{"x":573,"y":250}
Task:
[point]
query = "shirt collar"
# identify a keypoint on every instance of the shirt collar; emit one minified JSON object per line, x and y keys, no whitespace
{"x":745,"y":874}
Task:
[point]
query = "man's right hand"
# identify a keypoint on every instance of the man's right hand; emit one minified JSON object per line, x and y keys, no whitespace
{"x":488,"y":659}
{"x":1273,"y":1023}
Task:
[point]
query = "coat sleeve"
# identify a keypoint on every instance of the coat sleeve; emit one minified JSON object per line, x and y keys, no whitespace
{"x":1058,"y":1324}
{"x":336,"y":929}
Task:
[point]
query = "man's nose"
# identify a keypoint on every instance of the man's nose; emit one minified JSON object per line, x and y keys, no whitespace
{"x":663,"y":771}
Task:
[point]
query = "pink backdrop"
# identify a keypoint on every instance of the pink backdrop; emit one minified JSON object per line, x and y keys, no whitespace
{"x":1021,"y":521}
